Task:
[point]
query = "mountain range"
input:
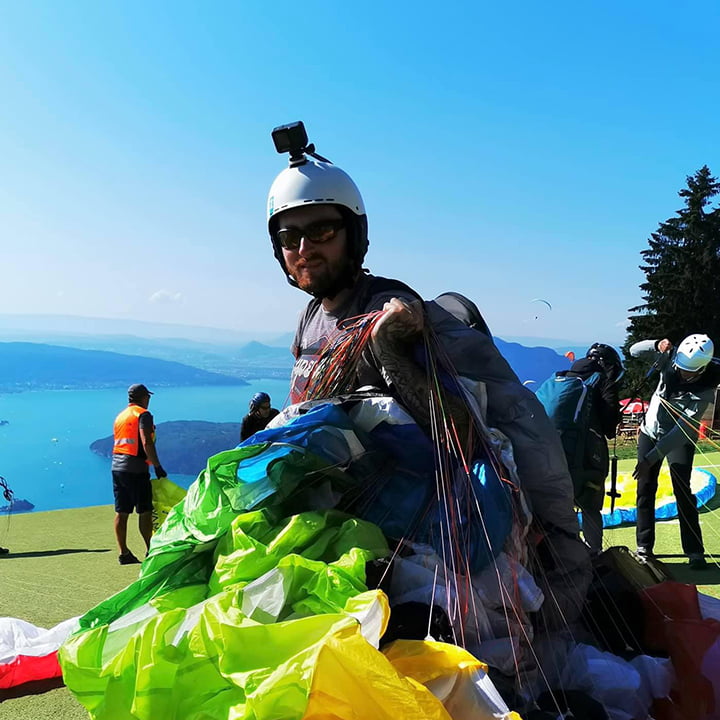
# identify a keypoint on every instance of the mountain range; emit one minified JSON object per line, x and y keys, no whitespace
{"x":62,"y":357}
{"x":34,"y":366}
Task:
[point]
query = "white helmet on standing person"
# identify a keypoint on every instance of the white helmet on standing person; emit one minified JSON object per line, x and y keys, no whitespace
{"x":694,"y":353}
{"x":314,"y":181}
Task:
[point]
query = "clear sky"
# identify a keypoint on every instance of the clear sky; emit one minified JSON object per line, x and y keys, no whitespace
{"x":510,"y":151}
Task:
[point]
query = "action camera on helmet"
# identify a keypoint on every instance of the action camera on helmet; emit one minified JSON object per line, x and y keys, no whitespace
{"x":292,"y":138}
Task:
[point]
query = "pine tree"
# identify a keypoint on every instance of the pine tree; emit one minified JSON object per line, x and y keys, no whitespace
{"x":681,"y":291}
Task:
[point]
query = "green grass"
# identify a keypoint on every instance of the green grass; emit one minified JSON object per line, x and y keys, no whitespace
{"x":61,"y":564}
{"x":626,"y":448}
{"x":667,"y":544}
{"x":65,"y":562}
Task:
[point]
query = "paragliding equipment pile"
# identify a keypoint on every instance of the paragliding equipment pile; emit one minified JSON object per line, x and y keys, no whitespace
{"x":452,"y":451}
{"x":255,"y":599}
{"x":458,"y":437}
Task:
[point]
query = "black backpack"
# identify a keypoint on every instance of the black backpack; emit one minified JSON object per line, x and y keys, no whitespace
{"x":465,"y":310}
{"x":459,"y":306}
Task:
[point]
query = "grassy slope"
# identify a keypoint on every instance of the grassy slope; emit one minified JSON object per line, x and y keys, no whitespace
{"x":62,"y":564}
{"x":65,"y":562}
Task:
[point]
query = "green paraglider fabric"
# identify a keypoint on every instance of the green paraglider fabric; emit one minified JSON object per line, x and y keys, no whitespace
{"x":182,"y":552}
{"x":232,"y":605}
{"x":242,"y":646}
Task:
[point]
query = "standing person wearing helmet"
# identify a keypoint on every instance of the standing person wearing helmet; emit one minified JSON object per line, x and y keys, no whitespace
{"x":686,"y":387}
{"x":602,"y":425}
{"x":261,"y":413}
{"x":319,"y":232}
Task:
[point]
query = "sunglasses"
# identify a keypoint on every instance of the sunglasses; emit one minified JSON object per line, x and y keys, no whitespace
{"x":317,"y":233}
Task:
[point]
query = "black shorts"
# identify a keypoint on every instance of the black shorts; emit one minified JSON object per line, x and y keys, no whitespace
{"x":132,"y":491}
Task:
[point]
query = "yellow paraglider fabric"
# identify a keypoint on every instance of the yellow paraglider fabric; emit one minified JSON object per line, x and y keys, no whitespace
{"x":165,"y":495}
{"x":453,"y":674}
{"x":354,"y":680}
{"x":702,"y":483}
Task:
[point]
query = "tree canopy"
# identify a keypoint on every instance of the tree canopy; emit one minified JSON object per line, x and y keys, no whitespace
{"x":681,"y":292}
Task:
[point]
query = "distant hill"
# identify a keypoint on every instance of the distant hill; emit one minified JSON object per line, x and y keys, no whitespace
{"x":31,"y":366}
{"x":184,"y":445}
{"x":32,"y":328}
{"x":534,"y":363}
{"x":246,"y":360}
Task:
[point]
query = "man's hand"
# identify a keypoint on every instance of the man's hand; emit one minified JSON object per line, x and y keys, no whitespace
{"x":664,"y":345}
{"x":160,"y":471}
{"x":641,"y":470}
{"x":400,"y":321}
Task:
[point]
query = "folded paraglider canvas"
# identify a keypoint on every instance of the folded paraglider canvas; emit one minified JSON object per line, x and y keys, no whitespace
{"x":246,"y":609}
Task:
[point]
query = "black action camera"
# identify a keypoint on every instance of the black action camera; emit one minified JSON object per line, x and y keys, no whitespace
{"x":293,"y":139}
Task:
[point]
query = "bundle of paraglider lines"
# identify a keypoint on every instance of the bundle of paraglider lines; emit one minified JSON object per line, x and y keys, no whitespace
{"x":455,"y":498}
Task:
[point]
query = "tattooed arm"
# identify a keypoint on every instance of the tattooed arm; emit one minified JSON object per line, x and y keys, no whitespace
{"x":392,"y":337}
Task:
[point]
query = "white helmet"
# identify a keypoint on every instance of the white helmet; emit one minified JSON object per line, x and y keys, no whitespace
{"x":316,"y":181}
{"x":313,"y":183}
{"x":694,"y":353}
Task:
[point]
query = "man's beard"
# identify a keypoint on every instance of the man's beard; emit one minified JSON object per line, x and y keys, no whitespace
{"x":329,"y":282}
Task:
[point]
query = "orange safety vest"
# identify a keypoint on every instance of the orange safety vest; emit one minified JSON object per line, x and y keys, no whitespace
{"x":126,"y":431}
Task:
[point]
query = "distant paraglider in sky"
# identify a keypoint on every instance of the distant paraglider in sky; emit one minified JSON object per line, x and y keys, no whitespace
{"x":528,"y":382}
{"x":541,"y":309}
{"x":570,"y":355}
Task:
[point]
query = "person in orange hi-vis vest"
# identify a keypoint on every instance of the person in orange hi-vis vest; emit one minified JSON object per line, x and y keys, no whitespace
{"x":133,"y":453}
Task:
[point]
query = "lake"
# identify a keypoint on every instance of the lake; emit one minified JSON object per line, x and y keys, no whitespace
{"x":44,"y":448}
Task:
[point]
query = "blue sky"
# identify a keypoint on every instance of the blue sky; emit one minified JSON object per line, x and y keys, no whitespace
{"x":508,"y":152}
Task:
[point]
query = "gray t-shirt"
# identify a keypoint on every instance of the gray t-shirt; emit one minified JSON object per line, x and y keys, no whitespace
{"x":316,"y":326}
{"x":135,"y":463}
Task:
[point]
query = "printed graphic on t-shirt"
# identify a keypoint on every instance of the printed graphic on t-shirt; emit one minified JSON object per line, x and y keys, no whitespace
{"x":304,"y":367}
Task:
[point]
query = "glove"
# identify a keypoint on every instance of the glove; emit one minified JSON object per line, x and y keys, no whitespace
{"x":641,"y":470}
{"x":160,"y":472}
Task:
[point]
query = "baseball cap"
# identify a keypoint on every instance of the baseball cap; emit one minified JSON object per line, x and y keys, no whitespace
{"x":137,"y":391}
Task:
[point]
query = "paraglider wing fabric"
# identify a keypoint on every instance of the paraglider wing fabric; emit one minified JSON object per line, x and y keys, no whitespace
{"x":453,"y":675}
{"x":29,"y":653}
{"x":165,"y":495}
{"x":694,"y":647}
{"x":251,"y":583}
{"x":702,"y":483}
{"x":252,"y":644}
{"x":390,"y":477}
{"x":268,"y":474}
{"x":352,"y":679}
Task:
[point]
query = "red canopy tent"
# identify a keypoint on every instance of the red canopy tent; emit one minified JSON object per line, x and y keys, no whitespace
{"x":632,"y":407}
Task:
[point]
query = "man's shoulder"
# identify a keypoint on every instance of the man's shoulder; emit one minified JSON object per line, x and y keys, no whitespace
{"x":372,"y":290}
